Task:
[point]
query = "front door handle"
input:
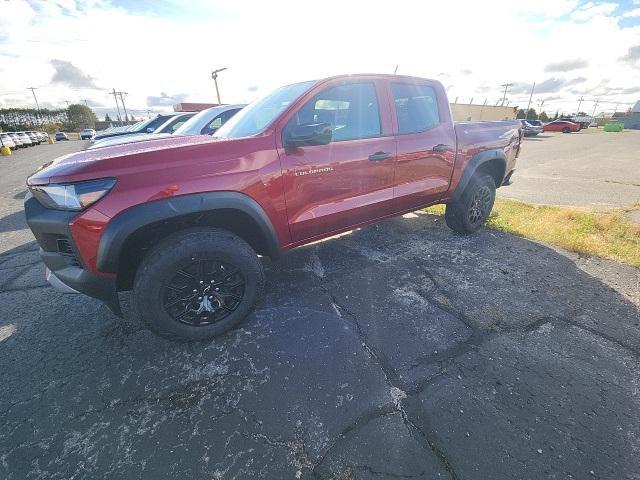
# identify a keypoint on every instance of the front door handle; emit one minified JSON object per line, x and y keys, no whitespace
{"x":379,"y":156}
{"x":441,"y":148}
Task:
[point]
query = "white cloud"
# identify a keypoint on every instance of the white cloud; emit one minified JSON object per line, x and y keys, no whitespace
{"x":161,"y":56}
{"x":589,"y":10}
{"x":632,"y":13}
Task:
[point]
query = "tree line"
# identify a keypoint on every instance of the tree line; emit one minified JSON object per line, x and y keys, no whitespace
{"x":71,"y":119}
{"x":533,"y":115}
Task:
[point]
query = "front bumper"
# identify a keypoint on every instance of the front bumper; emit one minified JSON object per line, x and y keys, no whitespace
{"x":65,"y":269}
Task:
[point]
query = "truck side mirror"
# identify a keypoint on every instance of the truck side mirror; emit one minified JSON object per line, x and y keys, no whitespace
{"x":308,"y":134}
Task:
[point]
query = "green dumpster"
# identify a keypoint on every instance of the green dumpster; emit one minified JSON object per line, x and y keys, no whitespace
{"x":614,"y":127}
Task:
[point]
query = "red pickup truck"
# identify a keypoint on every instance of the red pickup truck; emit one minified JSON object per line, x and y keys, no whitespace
{"x":182,"y":221}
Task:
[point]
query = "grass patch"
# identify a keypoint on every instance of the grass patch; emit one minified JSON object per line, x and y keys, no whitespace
{"x":609,"y":235}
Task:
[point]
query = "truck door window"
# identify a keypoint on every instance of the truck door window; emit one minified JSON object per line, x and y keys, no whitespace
{"x":351,"y":109}
{"x":416,"y":107}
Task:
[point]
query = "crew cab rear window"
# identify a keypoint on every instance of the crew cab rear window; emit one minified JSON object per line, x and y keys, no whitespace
{"x":351,"y":109}
{"x":416,"y":107}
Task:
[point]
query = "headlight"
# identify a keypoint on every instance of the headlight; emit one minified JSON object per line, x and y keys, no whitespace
{"x":72,"y":196}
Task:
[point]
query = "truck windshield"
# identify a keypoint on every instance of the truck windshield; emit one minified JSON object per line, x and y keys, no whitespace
{"x":258,"y":115}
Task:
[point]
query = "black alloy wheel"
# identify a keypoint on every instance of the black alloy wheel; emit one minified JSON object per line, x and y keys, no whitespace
{"x":480,"y":206}
{"x":203,"y":291}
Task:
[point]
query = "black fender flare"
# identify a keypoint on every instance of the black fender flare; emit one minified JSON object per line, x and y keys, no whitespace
{"x":128,"y":222}
{"x":476,"y":161}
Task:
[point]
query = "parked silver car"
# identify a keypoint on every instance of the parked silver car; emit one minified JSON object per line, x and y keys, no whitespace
{"x":205,"y":122}
{"x":35,"y":138}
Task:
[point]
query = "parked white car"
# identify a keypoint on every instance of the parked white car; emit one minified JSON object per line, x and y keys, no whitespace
{"x":17,"y":139}
{"x":87,"y":134}
{"x":7,"y":141}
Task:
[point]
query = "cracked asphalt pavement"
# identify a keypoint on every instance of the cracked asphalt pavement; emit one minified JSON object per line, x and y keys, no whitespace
{"x":400,"y":350}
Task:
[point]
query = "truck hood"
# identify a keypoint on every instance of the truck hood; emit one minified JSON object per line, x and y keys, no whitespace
{"x":90,"y":163}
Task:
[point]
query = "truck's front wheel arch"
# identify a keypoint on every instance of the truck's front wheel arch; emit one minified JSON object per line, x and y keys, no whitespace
{"x":131,"y":234}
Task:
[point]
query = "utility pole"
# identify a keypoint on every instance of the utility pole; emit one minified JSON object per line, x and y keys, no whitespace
{"x":506,"y":87}
{"x":595,"y":105}
{"x":126,"y":115}
{"x":85,"y":102}
{"x":148,"y":113}
{"x":580,"y":100}
{"x":67,"y":102}
{"x":33,"y":90}
{"x":115,"y":97}
{"x":540,"y":104}
{"x":214,"y":75}
{"x":530,"y":98}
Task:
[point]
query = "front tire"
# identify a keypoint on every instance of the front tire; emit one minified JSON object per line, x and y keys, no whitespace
{"x":566,"y":130}
{"x":197,"y":284}
{"x":470,"y":212}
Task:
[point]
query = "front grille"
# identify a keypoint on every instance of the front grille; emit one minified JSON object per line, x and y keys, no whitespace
{"x":65,"y":248}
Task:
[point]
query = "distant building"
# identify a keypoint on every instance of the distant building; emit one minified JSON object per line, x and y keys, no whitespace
{"x":464,"y":112}
{"x":632,"y":120}
{"x":192,"y":107}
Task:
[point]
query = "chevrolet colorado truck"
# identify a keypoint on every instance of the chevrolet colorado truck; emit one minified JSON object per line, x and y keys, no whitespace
{"x":182,"y":221}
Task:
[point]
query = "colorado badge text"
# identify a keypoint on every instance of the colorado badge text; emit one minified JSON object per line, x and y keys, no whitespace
{"x":300,"y":173}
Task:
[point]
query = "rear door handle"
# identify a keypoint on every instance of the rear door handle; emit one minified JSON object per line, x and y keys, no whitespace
{"x":379,"y":156}
{"x":441,"y":148}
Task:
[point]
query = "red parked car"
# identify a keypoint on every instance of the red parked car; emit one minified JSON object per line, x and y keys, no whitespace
{"x":181,"y":221}
{"x":563,"y":126}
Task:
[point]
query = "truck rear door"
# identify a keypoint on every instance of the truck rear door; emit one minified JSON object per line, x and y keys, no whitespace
{"x":425,"y":142}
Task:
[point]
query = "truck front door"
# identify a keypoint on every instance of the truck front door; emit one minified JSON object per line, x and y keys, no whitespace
{"x":350,"y":180}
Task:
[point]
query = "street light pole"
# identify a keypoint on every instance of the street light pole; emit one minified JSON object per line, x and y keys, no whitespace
{"x":214,"y":75}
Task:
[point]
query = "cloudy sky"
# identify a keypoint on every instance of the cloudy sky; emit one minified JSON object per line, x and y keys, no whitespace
{"x":162,"y":51}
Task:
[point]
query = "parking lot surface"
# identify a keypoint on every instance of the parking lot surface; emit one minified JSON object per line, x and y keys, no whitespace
{"x":592,"y":169}
{"x":400,"y":350}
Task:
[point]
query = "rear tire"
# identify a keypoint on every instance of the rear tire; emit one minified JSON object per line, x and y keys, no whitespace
{"x":470,"y":212}
{"x":197,"y":284}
